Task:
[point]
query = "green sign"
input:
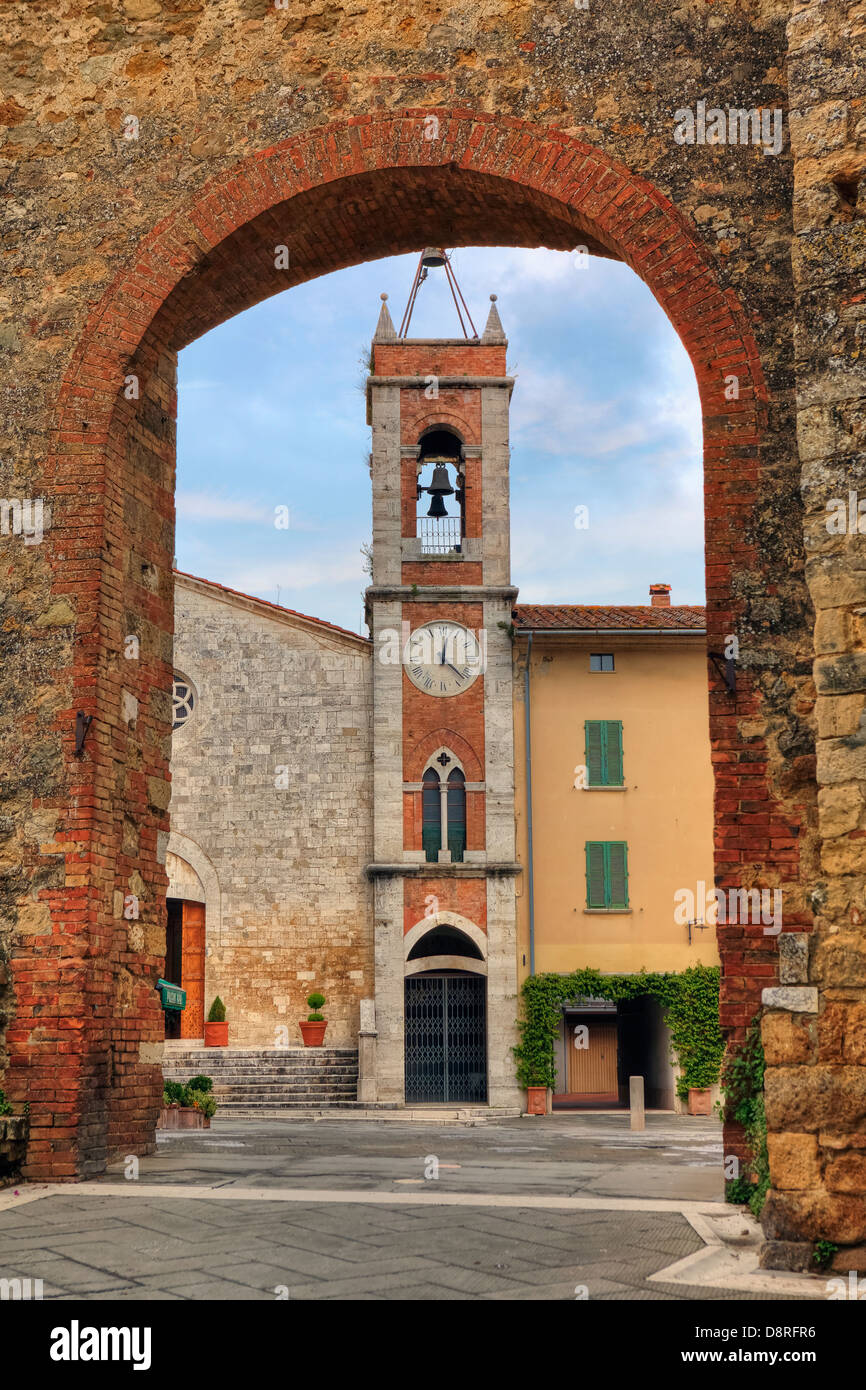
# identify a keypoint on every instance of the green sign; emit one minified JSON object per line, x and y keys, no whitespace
{"x":171,"y":996}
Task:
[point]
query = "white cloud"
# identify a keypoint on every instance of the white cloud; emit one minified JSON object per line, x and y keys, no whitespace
{"x":324,"y":571}
{"x":202,"y":506}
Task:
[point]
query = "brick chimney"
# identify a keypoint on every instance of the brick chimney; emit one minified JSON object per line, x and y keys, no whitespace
{"x":660,"y":595}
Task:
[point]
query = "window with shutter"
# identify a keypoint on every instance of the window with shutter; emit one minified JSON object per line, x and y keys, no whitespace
{"x":595,"y":874}
{"x":456,"y":815}
{"x":613,"y":753}
{"x":603,"y":752}
{"x":617,"y":875}
{"x":606,"y":873}
{"x":431,"y":807}
{"x":594,"y":753}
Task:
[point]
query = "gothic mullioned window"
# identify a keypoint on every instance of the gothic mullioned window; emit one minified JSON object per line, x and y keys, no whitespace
{"x":443,"y":808}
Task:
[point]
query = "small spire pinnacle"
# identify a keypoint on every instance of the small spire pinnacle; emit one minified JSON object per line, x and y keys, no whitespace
{"x":494,"y":332}
{"x":385,"y":330}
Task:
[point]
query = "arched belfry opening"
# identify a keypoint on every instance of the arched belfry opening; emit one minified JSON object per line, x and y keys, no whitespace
{"x":441,"y":509}
{"x":204,"y":261}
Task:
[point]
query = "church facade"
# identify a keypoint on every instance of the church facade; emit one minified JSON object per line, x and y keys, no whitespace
{"x":353,"y":814}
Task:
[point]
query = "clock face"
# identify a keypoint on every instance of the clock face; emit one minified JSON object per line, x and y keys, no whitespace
{"x":442,"y":658}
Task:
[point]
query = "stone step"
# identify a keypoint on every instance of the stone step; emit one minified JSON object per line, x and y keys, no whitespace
{"x":259,"y":1080}
{"x":238,"y":1107}
{"x":287,"y":1073}
{"x":309,"y":1097}
{"x":216,"y":1055}
{"x":334,"y":1070}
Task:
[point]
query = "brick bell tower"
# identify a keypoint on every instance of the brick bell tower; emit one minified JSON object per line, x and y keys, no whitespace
{"x":439,"y":610}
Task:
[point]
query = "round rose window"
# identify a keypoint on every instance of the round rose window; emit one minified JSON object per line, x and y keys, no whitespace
{"x":183,"y":701}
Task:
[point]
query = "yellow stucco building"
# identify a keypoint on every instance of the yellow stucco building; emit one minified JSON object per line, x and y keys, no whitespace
{"x":614,"y":807}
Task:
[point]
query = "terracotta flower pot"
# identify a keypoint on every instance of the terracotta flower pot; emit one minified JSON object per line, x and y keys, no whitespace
{"x":536,"y":1100}
{"x":216,"y":1035}
{"x":699,"y":1100}
{"x":313,"y":1033}
{"x":190,"y":1119}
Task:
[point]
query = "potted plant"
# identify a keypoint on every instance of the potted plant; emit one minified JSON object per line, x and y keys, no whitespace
{"x":536,"y":1070}
{"x":700,"y":1098}
{"x":187,"y":1106}
{"x":313,"y":1028}
{"x":536,"y":1100}
{"x":216,"y":1030}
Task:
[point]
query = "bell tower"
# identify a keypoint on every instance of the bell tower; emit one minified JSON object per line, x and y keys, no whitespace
{"x":439,"y":609}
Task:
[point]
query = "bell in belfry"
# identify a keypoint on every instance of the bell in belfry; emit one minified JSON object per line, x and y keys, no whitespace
{"x":432,"y":257}
{"x":439,"y":489}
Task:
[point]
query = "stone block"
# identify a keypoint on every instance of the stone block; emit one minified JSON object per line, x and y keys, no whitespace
{"x":794,"y":1161}
{"x":802,"y":1215}
{"x":793,"y":958}
{"x":842,"y":1032}
{"x":839,"y":809}
{"x":839,"y":961}
{"x":845,"y":1171}
{"x":792,"y":1255}
{"x":844,"y":856}
{"x":814,"y":1097}
{"x":803,"y":1000}
{"x":788,"y":1039}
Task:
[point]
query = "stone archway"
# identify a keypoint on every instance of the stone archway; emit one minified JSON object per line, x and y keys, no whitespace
{"x":331,"y":197}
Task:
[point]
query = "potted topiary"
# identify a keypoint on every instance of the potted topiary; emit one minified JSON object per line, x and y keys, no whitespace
{"x":313,"y":1027}
{"x":216,"y":1030}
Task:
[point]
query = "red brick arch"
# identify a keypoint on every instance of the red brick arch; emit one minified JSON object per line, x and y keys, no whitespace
{"x":351,"y":191}
{"x":442,"y":419}
{"x":417,"y":759}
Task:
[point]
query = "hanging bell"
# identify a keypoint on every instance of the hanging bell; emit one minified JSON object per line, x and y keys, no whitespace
{"x":439,"y":482}
{"x":437,"y":506}
{"x":432,"y":257}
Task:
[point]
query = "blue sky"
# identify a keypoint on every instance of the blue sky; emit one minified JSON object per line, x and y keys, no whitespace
{"x":605,"y":415}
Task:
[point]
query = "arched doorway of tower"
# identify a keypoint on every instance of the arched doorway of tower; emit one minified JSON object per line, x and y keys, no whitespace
{"x":445,"y":1016}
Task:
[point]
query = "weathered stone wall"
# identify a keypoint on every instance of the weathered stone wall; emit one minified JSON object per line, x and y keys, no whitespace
{"x":306,"y":127}
{"x":272,"y":782}
{"x":816,"y":1045}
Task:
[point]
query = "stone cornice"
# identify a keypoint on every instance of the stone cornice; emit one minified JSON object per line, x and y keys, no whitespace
{"x":440,"y":593}
{"x":497,"y":870}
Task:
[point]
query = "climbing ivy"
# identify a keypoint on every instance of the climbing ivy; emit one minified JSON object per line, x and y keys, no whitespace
{"x":690,"y":1000}
{"x":743,"y":1092}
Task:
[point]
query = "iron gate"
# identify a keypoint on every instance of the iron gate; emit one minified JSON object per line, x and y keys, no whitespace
{"x":446,"y":1038}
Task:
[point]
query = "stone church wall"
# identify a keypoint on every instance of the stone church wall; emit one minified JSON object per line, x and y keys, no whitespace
{"x":272,"y":782}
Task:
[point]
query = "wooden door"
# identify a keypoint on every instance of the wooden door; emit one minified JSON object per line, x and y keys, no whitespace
{"x":592,"y":1070}
{"x":192,"y":1018}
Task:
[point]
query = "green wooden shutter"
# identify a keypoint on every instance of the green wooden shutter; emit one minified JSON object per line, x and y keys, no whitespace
{"x":595,"y":874}
{"x":594,"y":752}
{"x":613,"y":753}
{"x":617,"y":875}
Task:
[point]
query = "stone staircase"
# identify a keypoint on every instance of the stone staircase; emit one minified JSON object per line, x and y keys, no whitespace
{"x":253,"y":1080}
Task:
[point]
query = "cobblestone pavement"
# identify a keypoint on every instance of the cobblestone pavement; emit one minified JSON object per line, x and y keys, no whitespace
{"x":143,"y":1244}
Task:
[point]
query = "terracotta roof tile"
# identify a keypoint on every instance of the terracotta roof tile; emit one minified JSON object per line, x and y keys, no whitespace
{"x":543,"y":616}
